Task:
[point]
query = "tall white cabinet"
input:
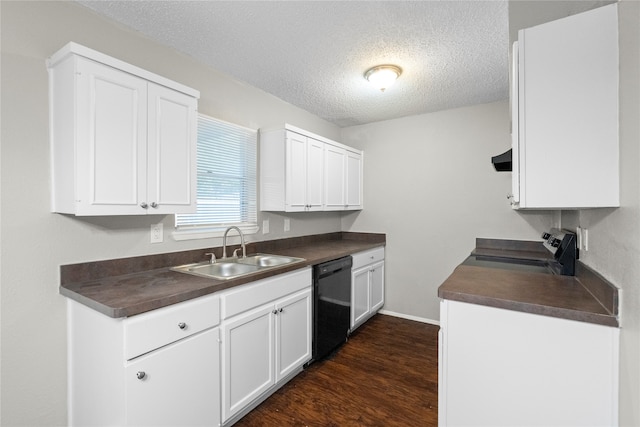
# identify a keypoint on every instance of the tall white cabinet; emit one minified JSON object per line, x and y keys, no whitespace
{"x":123,"y":140}
{"x":565,"y":113}
{"x":301,"y":172}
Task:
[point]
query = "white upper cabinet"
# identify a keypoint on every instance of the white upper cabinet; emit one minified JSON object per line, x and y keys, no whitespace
{"x":343,"y":178}
{"x":565,"y":113}
{"x":301,"y":171}
{"x":353,"y":183}
{"x":123,"y":140}
{"x":335,"y":168}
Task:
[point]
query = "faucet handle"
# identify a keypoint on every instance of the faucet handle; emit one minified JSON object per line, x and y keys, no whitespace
{"x":212,"y":260}
{"x":235,"y":252}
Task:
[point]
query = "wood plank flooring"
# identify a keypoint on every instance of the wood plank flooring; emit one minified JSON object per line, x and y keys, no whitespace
{"x":386,"y":375}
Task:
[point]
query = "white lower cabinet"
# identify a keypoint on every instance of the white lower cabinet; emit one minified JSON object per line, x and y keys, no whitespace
{"x":501,"y":367}
{"x":367,"y":285}
{"x":160,"y":368}
{"x":176,"y":385}
{"x":202,"y":362}
{"x":266,"y":339}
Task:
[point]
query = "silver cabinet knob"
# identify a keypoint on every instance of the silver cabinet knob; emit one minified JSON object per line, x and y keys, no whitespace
{"x":141,"y":375}
{"x":144,"y":205}
{"x":182,"y":325}
{"x":154,"y":205}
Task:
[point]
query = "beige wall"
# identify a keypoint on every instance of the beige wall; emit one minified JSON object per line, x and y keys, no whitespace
{"x":431,"y":187}
{"x":35,"y":242}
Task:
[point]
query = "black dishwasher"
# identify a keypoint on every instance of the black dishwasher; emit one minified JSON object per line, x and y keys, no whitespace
{"x":331,"y":305}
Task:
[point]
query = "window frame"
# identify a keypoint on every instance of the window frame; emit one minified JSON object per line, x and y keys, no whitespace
{"x":203,"y":231}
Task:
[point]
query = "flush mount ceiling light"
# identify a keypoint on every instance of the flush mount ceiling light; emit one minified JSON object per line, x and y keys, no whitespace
{"x":383,"y":76}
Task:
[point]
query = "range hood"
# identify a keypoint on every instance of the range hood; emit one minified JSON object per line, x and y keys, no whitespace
{"x":502,"y":162}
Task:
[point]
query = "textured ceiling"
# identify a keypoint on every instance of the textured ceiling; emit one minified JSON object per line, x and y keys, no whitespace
{"x":313,"y":54}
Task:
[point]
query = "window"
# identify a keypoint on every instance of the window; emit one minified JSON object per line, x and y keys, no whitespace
{"x":226,"y":181}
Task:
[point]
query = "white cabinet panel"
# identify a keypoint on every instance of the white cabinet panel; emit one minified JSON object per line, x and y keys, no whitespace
{"x":503,"y":368}
{"x":293,"y":333}
{"x":179,"y":384}
{"x":565,"y":139}
{"x":360,"y":296}
{"x":377,"y":286}
{"x":296,"y":171}
{"x":315,"y":175}
{"x":354,"y":180}
{"x":335,"y":177}
{"x":172,"y":127}
{"x":181,"y":380}
{"x":112,"y":110}
{"x":367,"y":285}
{"x":248,"y":362}
{"x":266,"y":338}
{"x":121,"y":144}
{"x":301,"y":171}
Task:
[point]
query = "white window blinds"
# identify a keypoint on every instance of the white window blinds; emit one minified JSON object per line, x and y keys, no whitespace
{"x":226,"y":176}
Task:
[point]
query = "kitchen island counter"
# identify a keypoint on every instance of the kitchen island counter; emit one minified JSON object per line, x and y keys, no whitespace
{"x":130,"y":286}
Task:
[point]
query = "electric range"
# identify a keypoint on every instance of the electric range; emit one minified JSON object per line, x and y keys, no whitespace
{"x":562,"y":244}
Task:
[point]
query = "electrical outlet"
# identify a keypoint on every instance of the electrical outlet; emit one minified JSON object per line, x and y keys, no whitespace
{"x":585,"y":239}
{"x":287,"y":224}
{"x":265,"y":226}
{"x":579,"y":237}
{"x":156,"y":233}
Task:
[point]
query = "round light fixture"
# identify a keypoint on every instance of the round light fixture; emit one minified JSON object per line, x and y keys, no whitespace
{"x":383,"y":76}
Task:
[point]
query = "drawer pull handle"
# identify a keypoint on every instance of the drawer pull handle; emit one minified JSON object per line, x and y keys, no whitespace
{"x":275,"y":311}
{"x":182,"y":325}
{"x":281,"y":310}
{"x":141,"y":375}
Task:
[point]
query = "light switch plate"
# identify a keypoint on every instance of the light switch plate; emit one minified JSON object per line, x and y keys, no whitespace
{"x":287,"y":224}
{"x":265,"y":226}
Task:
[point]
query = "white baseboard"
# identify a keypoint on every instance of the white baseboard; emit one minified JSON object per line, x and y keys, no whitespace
{"x":410,"y":317}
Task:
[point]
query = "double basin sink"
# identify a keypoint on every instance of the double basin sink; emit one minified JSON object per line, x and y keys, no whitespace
{"x":232,"y":268}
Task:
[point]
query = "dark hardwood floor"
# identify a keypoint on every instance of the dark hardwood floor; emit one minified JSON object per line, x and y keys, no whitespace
{"x":386,"y":375}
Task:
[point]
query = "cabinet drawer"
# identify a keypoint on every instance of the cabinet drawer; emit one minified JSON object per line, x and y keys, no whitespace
{"x":163,"y":326}
{"x":367,"y":257}
{"x":261,"y":292}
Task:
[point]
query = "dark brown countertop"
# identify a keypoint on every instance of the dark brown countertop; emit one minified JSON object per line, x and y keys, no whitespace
{"x":586,"y":297}
{"x":126,"y":287}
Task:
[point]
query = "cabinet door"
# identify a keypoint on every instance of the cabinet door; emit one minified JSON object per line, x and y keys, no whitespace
{"x":376,"y":286}
{"x":315,"y":175}
{"x":248,"y":365}
{"x":359,"y":295}
{"x":354,"y":180}
{"x":172,"y":129}
{"x":568,"y":109}
{"x":293,"y":333}
{"x":111,"y":148}
{"x":181,"y":384}
{"x":334,"y":177}
{"x":296,"y":172}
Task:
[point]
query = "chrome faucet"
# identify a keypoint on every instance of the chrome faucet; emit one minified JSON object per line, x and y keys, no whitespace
{"x":224,"y":242}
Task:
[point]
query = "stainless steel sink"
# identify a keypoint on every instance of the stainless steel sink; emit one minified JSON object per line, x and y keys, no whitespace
{"x":231,"y":268}
{"x":266,"y":260}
